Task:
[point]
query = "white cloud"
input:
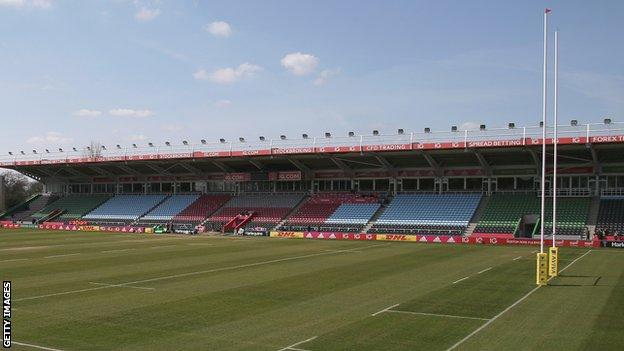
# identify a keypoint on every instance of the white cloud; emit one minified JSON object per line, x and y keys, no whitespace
{"x":12,"y":3}
{"x":201,"y":74}
{"x":300,"y":64}
{"x":219,"y":29}
{"x":325,"y":75}
{"x":87,"y":113}
{"x":137,"y":137}
{"x":145,"y":14}
{"x":228,"y":75}
{"x":49,"y":137}
{"x":128,"y":112}
{"x":37,"y":4}
{"x":223,"y":103}
{"x":41,"y":4}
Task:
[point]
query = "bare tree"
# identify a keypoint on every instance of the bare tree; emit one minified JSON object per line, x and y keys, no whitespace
{"x":18,"y":188}
{"x":94,"y":150}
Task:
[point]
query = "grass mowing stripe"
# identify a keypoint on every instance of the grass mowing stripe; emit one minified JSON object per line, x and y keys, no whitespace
{"x":190,"y":274}
{"x":510,"y":307}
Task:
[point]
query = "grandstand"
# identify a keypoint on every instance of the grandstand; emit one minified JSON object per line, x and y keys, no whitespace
{"x":416,"y":183}
{"x":611,"y":216}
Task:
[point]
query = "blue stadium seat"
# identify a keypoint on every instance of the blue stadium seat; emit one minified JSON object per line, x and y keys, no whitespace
{"x":353,"y":213}
{"x":170,"y":208}
{"x":125,"y":207}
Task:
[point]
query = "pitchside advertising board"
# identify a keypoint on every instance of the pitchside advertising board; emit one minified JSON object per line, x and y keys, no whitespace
{"x":433,"y":239}
{"x":614,"y":244}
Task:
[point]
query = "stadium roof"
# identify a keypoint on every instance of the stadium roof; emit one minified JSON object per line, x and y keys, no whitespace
{"x":589,"y":148}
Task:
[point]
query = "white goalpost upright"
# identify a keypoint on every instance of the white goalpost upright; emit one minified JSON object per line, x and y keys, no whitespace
{"x":553,"y":252}
{"x":542,"y":265}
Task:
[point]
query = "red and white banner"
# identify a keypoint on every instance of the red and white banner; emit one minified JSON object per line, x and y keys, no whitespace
{"x":285,"y":176}
{"x":9,"y":225}
{"x":237,"y":177}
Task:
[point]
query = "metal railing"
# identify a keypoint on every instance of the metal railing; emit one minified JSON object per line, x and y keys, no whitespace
{"x":363,"y":143}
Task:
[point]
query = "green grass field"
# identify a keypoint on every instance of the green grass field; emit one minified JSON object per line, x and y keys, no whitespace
{"x":105,"y":291}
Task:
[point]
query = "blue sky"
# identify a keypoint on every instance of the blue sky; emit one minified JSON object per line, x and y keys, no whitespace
{"x":148,"y":71}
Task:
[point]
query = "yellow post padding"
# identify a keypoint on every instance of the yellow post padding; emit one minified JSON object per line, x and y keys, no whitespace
{"x":553,"y":261}
{"x":542,"y":269}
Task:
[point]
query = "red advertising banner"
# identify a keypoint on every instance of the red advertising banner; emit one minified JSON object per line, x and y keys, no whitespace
{"x":292,"y":150}
{"x":387,"y":147}
{"x":251,"y":152}
{"x":285,"y":176}
{"x":9,"y":225}
{"x":237,"y":177}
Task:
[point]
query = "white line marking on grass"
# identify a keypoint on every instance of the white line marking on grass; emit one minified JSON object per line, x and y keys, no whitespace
{"x":436,"y":315}
{"x":158,"y":247}
{"x":65,"y":255}
{"x":121,"y":286}
{"x":34,"y":346}
{"x":485,"y":270}
{"x":384,"y":310}
{"x":517,"y":258}
{"x":118,"y":250}
{"x":459,"y":280}
{"x":510,"y":307}
{"x":342,"y":251}
{"x":534,"y":251}
{"x":222,"y":269}
{"x":15,"y":259}
{"x":292,"y":347}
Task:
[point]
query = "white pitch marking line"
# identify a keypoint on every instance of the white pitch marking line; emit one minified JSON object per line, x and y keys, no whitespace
{"x":34,"y":346}
{"x":118,"y":250}
{"x":297,"y":349}
{"x":55,"y":256}
{"x":436,"y":315}
{"x":291,"y":347}
{"x":485,"y":270}
{"x":459,"y":280}
{"x":342,"y":251}
{"x":510,"y":307}
{"x":15,"y":259}
{"x":384,"y":310}
{"x":121,"y":286}
{"x":158,"y":247}
{"x":517,"y":258}
{"x":222,"y":269}
{"x":534,"y":251}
